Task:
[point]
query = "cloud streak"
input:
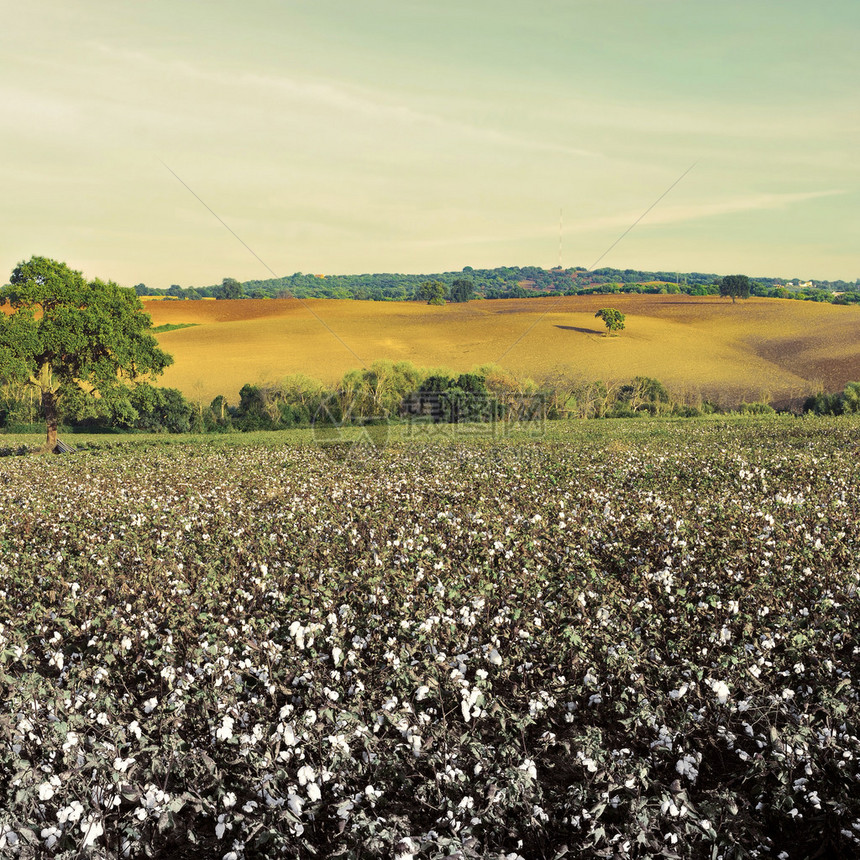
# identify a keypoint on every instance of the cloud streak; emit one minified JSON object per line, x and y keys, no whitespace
{"x":339,"y":97}
{"x":670,"y":214}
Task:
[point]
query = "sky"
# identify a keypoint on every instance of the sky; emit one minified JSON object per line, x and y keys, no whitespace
{"x":352,"y":136}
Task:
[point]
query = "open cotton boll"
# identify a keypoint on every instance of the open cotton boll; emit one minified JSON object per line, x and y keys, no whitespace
{"x":92,"y":829}
{"x":721,"y":691}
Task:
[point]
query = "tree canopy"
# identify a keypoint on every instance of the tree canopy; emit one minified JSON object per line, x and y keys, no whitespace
{"x":736,"y":286}
{"x":462,"y":290}
{"x":613,"y":319}
{"x":432,"y":292}
{"x":230,"y":289}
{"x":65,"y":332}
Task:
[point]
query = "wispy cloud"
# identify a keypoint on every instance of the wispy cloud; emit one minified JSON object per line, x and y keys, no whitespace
{"x":669,"y":214}
{"x":681,"y":212}
{"x":336,"y":96}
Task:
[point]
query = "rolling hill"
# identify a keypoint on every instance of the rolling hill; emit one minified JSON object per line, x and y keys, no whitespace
{"x":759,"y":348}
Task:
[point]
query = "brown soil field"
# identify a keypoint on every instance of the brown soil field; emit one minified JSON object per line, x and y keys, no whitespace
{"x":756,"y":349}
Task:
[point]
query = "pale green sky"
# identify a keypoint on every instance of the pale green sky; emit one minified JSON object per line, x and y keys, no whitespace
{"x":345,"y":136}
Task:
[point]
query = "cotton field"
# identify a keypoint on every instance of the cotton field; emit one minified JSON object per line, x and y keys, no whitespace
{"x":623,"y":644}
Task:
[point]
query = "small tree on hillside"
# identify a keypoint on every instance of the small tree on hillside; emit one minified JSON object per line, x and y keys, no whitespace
{"x":432,"y":292}
{"x":736,"y":286}
{"x":64,"y":332}
{"x":612,"y":318}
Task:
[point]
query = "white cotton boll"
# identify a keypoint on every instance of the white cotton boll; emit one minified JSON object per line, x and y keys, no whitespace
{"x":51,"y":836}
{"x":46,"y":791}
{"x":314,"y":793}
{"x":336,"y":655}
{"x":421,"y":692}
{"x":91,"y":829}
{"x":289,"y":735}
{"x":405,"y":849}
{"x":126,"y":643}
{"x":677,"y":694}
{"x":70,"y":813}
{"x":225,"y":732}
{"x":721,"y":691}
{"x":494,"y":657}
{"x":688,"y":766}
{"x":528,"y":767}
{"x":306,"y":774}
{"x":150,"y":705}
{"x":229,"y":800}
{"x":295,"y":804}
{"x":297,"y":631}
{"x":272,"y":802}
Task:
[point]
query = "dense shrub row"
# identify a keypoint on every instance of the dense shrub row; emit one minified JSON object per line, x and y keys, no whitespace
{"x":846,"y":402}
{"x":386,"y":391}
{"x":503,"y":282}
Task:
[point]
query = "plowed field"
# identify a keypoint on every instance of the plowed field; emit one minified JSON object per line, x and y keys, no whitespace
{"x":758,"y":348}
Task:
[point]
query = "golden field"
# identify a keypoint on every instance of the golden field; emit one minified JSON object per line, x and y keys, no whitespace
{"x":756,"y":349}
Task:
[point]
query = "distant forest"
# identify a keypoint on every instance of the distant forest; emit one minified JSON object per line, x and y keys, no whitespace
{"x":504,"y":282}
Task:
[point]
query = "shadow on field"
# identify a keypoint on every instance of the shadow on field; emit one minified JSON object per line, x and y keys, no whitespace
{"x":581,"y":330}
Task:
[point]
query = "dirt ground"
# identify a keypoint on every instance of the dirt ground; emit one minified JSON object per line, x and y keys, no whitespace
{"x":756,"y":349}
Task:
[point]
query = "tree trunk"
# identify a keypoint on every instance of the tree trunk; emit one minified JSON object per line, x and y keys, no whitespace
{"x":49,"y":410}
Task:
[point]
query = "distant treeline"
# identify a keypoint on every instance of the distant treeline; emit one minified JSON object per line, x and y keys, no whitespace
{"x":385,"y":392}
{"x":505,"y":282}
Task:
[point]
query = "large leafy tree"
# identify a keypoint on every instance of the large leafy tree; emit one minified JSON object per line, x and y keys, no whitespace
{"x":736,"y":286}
{"x":65,"y":332}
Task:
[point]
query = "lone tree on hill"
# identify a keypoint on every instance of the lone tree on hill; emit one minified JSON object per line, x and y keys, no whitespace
{"x":613,"y":319}
{"x":64,"y":332}
{"x":736,"y":286}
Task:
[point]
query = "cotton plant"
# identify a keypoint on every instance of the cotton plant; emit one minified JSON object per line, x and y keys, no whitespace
{"x":418,"y":634}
